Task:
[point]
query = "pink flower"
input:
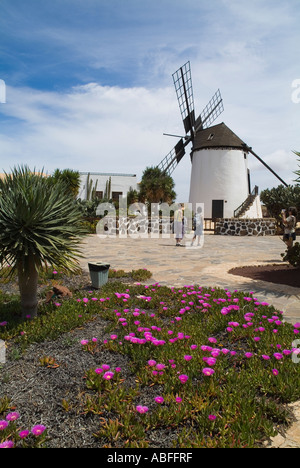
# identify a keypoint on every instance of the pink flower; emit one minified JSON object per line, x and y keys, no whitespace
{"x":7,"y":444}
{"x":84,"y":342}
{"x":23,"y":434}
{"x":275,"y":372}
{"x":212,"y":340}
{"x":160,"y":366}
{"x":3,"y":425}
{"x":210,"y":361}
{"x":105,"y":367}
{"x":278,"y":356}
{"x":142,"y":409}
{"x":183,"y":378}
{"x":99,"y":370}
{"x":178,"y":400}
{"x":159,"y":399}
{"x":12,"y":416}
{"x":265,"y":357}
{"x":108,"y":375}
{"x":248,"y":355}
{"x":38,"y":430}
{"x":187,"y":357}
{"x":212,"y":417}
{"x":208,"y":371}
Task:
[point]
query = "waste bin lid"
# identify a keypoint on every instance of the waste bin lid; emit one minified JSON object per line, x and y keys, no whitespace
{"x":100,"y":266}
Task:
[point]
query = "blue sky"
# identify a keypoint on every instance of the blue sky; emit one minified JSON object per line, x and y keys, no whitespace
{"x":89,"y":83}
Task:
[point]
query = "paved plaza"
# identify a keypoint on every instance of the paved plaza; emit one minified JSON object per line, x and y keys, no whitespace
{"x":206,"y":266}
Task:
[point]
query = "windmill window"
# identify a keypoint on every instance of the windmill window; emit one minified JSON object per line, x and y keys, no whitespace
{"x":211,"y":136}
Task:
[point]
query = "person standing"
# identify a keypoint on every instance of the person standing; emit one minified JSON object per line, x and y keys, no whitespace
{"x":178,"y":224}
{"x":289,"y":226}
{"x":198,"y":224}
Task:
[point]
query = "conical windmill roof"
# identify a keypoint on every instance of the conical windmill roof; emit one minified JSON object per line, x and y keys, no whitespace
{"x":217,"y":136}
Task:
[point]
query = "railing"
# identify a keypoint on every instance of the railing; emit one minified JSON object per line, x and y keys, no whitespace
{"x":243,"y":207}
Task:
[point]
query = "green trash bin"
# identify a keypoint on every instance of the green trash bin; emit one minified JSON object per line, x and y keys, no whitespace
{"x":99,"y":274}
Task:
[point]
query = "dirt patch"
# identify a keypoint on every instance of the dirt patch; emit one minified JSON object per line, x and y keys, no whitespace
{"x":276,"y":273}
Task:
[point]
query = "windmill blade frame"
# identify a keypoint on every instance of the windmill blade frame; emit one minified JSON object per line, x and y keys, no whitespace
{"x":211,"y":112}
{"x":169,"y":163}
{"x":182,"y":79}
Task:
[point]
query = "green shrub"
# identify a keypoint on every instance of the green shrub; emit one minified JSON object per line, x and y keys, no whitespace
{"x":292,"y":255}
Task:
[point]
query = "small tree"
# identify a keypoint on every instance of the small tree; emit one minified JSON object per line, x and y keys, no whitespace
{"x":156,"y":187}
{"x":40,"y":226}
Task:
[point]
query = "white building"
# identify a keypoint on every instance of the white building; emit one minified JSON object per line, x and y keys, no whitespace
{"x":101,"y":184}
{"x":220,"y":177}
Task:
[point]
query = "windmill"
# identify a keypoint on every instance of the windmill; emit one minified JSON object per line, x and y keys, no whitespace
{"x":220,"y":177}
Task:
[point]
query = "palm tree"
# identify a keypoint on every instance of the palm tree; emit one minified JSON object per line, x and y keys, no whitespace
{"x":70,"y":177}
{"x":40,"y":226}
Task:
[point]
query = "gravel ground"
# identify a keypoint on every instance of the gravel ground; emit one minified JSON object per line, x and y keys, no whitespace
{"x":37,"y":392}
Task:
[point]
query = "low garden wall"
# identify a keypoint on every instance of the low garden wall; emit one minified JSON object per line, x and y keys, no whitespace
{"x":245,"y":227}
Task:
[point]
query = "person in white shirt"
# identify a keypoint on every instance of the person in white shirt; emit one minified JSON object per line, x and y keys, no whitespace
{"x":178,"y":224}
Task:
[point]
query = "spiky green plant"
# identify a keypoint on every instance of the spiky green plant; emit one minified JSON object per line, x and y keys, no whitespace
{"x":40,"y":226}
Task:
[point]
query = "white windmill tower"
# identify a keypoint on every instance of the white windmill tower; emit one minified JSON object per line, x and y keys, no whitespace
{"x":220,"y":176}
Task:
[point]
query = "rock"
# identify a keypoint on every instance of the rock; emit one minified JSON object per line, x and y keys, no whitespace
{"x":58,"y":291}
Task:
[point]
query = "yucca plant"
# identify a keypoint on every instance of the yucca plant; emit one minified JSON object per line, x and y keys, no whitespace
{"x":40,"y":226}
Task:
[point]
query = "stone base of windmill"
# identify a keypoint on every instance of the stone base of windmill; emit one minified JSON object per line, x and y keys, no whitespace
{"x":245,"y":227}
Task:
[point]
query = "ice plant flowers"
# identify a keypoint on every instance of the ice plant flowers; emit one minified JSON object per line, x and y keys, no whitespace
{"x":142,"y":409}
{"x":38,"y":430}
{"x":183,"y":378}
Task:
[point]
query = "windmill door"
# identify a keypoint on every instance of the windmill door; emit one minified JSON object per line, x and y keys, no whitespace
{"x":217,"y":209}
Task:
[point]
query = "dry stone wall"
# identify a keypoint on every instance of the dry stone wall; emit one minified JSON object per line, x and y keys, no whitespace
{"x":245,"y":227}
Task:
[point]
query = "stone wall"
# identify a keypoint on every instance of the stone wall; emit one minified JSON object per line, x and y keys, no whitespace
{"x":245,"y":227}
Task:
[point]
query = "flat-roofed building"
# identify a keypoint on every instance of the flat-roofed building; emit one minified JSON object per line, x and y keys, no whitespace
{"x":106,"y":185}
